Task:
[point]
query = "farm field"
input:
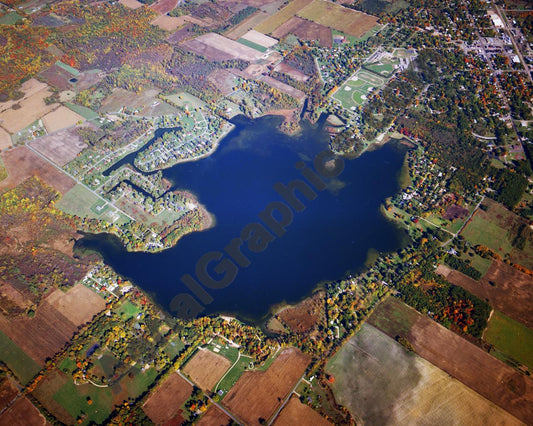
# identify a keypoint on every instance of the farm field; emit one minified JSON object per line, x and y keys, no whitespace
{"x":31,"y":109}
{"x":45,"y":391}
{"x":258,"y":394}
{"x":305,"y":30}
{"x":85,"y":112}
{"x":403,"y":387}
{"x":61,"y":147}
{"x":164,"y":403}
{"x":131,"y":4}
{"x":8,"y":392}
{"x":247,"y":24}
{"x":354,"y":91}
{"x":296,"y":412}
{"x":61,"y":118}
{"x":214,"y":416}
{"x":505,"y":287}
{"x":169,"y":23}
{"x":492,"y":228}
{"x":274,"y":21}
{"x":55,"y":321}
{"x":206,"y":368}
{"x":22,"y":413}
{"x":17,"y":360}
{"x":57,"y":76}
{"x":164,"y":6}
{"x":5,"y":140}
{"x":215,"y":47}
{"x":342,"y":19}
{"x":511,"y":338}
{"x":475,"y":368}
{"x":185,"y":100}
{"x":145,"y":102}
{"x":21,"y":163}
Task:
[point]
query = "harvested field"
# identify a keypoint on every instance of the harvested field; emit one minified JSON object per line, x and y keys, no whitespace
{"x":214,"y":416}
{"x":61,"y":147}
{"x":52,"y":383}
{"x":505,"y":287}
{"x":246,"y":25}
{"x":57,"y":76}
{"x":258,"y":394}
{"x":131,"y":4}
{"x":491,"y":378}
{"x":22,"y":413}
{"x":295,"y":74}
{"x":403,"y":387}
{"x":206,"y":368}
{"x":164,"y":6}
{"x":215,"y":47}
{"x":87,"y":79}
{"x":8,"y":392}
{"x":79,"y":305}
{"x":60,"y":119}
{"x":273,"y":22}
{"x":305,"y":30}
{"x":29,"y":88}
{"x":259,"y":39}
{"x":17,"y":360}
{"x":56,"y":319}
{"x":297,"y":413}
{"x":163,"y":405}
{"x":21,"y":163}
{"x":31,"y":109}
{"x":169,"y":23}
{"x":285,"y":88}
{"x":146,"y":102}
{"x":182,"y":34}
{"x":340,"y":18}
{"x":5,"y":140}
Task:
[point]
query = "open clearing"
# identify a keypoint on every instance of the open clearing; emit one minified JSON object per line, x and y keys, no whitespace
{"x":164,"y":6}
{"x":132,"y":4}
{"x":273,"y":22}
{"x":215,"y":47}
{"x":164,"y":403}
{"x":61,"y":147}
{"x":21,"y":163}
{"x":22,"y":413}
{"x":5,"y":140}
{"x":491,"y":225}
{"x":8,"y":392}
{"x":403,"y":387}
{"x":56,"y":319}
{"x":305,"y":30}
{"x":206,"y":368}
{"x":342,"y":19}
{"x":17,"y":360}
{"x":169,"y":23}
{"x":354,"y":91}
{"x":505,"y":287}
{"x":511,"y":338}
{"x":246,"y":25}
{"x":214,"y":416}
{"x":297,"y":413}
{"x":469,"y":364}
{"x":60,"y":119}
{"x":258,"y":394}
{"x":31,"y":109}
{"x":146,"y":102}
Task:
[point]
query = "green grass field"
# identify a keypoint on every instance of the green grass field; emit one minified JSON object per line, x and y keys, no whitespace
{"x":354,"y":91}
{"x":252,"y":45}
{"x":234,"y":374}
{"x":85,"y":112}
{"x":127,"y":310}
{"x":184,"y":99}
{"x":79,"y":201}
{"x":174,"y":347}
{"x":482,"y":231}
{"x":140,"y":382}
{"x":511,"y":338}
{"x":393,"y":317}
{"x":10,"y":18}
{"x":17,"y":360}
{"x":74,"y":399}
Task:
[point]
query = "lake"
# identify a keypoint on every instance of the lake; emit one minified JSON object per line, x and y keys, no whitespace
{"x":328,"y":239}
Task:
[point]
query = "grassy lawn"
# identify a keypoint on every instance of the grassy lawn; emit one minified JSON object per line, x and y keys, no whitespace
{"x":79,"y":201}
{"x":85,"y":112}
{"x":127,"y":310}
{"x":393,"y":317}
{"x":17,"y":360}
{"x":184,"y":99}
{"x":68,"y":365}
{"x":74,"y":399}
{"x":477,"y":262}
{"x":174,"y":347}
{"x":140,"y":381}
{"x":511,"y":338}
{"x":234,"y":374}
{"x":10,"y":18}
{"x":481,"y":231}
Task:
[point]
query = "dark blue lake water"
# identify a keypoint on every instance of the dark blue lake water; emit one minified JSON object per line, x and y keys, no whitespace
{"x":328,"y":239}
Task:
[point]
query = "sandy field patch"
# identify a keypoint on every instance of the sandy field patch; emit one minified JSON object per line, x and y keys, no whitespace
{"x":164,"y":6}
{"x":60,"y":119}
{"x":29,"y":88}
{"x":257,"y":394}
{"x":169,"y":23}
{"x":282,"y":67}
{"x":206,"y":368}
{"x":79,"y":305}
{"x":132,"y":4}
{"x":260,"y":39}
{"x":5,"y":140}
{"x":214,"y":416}
{"x":31,"y":109}
{"x":21,"y":163}
{"x":8,"y":392}
{"x":297,"y":413}
{"x":163,"y":405}
{"x":219,"y":48}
